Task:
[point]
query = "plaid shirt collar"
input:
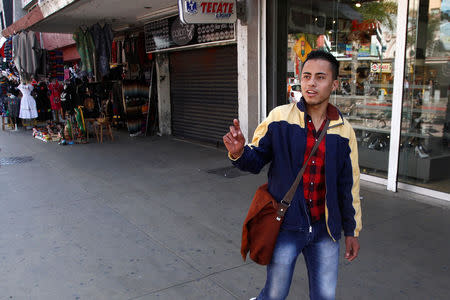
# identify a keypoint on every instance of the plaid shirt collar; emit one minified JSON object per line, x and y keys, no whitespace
{"x":333,"y":113}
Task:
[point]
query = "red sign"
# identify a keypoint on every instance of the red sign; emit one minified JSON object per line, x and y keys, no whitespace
{"x":383,"y":68}
{"x":217,"y":7}
{"x":207,"y":12}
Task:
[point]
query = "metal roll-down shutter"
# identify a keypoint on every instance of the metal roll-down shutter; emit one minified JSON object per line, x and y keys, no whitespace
{"x":204,"y":92}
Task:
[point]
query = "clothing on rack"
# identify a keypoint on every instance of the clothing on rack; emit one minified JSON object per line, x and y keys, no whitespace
{"x":25,"y":52}
{"x":143,"y":58}
{"x":32,"y":57}
{"x":86,"y":48}
{"x":68,"y":98}
{"x":3,"y":105}
{"x":15,"y":50}
{"x":55,"y":95}
{"x":44,"y":59}
{"x":66,"y":74}
{"x":42,"y":102}
{"x":114,"y":52}
{"x":2,"y":50}
{"x":20,"y":55}
{"x":9,"y":57}
{"x":136,"y":97}
{"x":3,"y":85}
{"x":131,"y":50}
{"x":13,"y":106}
{"x":103,"y":37}
{"x":56,"y":65}
{"x":120,"y":52}
{"x":28,"y":108}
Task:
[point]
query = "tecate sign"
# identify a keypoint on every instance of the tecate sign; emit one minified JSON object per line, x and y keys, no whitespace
{"x":204,"y":12}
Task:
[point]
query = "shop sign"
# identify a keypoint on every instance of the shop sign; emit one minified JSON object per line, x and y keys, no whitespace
{"x":302,"y":48}
{"x":171,"y":33}
{"x":206,"y":12}
{"x":182,"y":33}
{"x":384,"y":68}
{"x":364,"y":50}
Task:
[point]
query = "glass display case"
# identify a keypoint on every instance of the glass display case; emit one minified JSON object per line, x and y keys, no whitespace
{"x":362,"y":36}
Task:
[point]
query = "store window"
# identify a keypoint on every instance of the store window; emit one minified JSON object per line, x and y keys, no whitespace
{"x":424,"y":150}
{"x":361,"y":34}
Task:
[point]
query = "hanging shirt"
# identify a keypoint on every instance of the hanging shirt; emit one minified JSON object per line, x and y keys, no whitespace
{"x":13,"y":106}
{"x":55,"y":95}
{"x":86,"y":48}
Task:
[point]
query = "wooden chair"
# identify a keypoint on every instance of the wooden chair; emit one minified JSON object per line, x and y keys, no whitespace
{"x":99,"y":125}
{"x":4,"y":122}
{"x":90,"y":125}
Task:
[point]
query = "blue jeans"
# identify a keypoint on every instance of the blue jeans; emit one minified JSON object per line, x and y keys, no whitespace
{"x":321,"y":255}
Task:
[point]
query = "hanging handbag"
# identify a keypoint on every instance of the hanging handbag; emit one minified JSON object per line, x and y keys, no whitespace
{"x":265,"y":216}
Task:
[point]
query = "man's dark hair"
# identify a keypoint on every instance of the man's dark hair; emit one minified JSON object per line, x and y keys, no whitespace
{"x":323,"y":55}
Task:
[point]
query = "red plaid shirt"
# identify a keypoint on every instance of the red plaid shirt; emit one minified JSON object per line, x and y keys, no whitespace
{"x":314,"y":176}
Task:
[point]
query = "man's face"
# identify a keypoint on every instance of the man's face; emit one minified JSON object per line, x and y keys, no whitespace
{"x":317,"y":81}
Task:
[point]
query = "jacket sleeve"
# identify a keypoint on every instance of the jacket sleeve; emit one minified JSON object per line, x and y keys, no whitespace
{"x":348,"y":186}
{"x":257,"y":154}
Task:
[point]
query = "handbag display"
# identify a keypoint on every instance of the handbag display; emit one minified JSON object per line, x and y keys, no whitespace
{"x":265,"y":216}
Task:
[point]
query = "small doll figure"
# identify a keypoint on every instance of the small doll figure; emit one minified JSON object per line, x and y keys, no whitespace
{"x":68,"y":134}
{"x":35,"y":131}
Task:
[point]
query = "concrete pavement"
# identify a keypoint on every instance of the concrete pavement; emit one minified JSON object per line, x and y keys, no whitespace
{"x":147,"y":218}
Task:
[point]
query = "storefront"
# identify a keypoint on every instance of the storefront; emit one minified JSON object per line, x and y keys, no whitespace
{"x":203,"y":88}
{"x":201,"y":61}
{"x":189,"y":86}
{"x":394,"y":80}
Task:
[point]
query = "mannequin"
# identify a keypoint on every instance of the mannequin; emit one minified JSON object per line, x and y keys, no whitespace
{"x":28,"y":109}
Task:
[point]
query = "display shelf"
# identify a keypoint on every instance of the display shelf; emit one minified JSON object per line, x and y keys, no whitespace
{"x":373,"y":129}
{"x":388,"y":107}
{"x":388,"y":131}
{"x":410,"y":165}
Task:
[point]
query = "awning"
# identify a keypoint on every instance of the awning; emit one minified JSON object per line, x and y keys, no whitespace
{"x":66,"y":16}
{"x":34,"y":16}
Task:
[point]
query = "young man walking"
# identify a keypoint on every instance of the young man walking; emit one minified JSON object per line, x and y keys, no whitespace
{"x":327,"y":199}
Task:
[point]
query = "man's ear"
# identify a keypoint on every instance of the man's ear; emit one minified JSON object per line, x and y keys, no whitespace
{"x":335,"y":85}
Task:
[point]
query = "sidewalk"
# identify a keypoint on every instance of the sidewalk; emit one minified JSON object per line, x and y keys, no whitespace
{"x":147,"y":218}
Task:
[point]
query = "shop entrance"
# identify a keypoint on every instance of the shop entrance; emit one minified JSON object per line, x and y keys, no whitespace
{"x":204,"y":92}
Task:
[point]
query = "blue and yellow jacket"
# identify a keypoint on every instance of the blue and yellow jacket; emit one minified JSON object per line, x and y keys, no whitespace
{"x":281,"y":140}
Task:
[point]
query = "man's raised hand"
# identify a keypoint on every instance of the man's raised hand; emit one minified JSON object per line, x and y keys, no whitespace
{"x":234,"y":140}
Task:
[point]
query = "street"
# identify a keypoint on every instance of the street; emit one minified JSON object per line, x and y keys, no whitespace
{"x":156,"y":218}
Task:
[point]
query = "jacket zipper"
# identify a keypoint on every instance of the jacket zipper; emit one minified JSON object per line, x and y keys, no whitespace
{"x":307,"y":217}
{"x":326,"y":206}
{"x":326,"y":196}
{"x":304,"y":202}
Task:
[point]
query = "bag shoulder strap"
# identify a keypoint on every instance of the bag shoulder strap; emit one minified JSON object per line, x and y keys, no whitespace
{"x":287,"y":199}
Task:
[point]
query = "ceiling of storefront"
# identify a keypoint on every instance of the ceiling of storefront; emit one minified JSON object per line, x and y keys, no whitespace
{"x":119,"y":13}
